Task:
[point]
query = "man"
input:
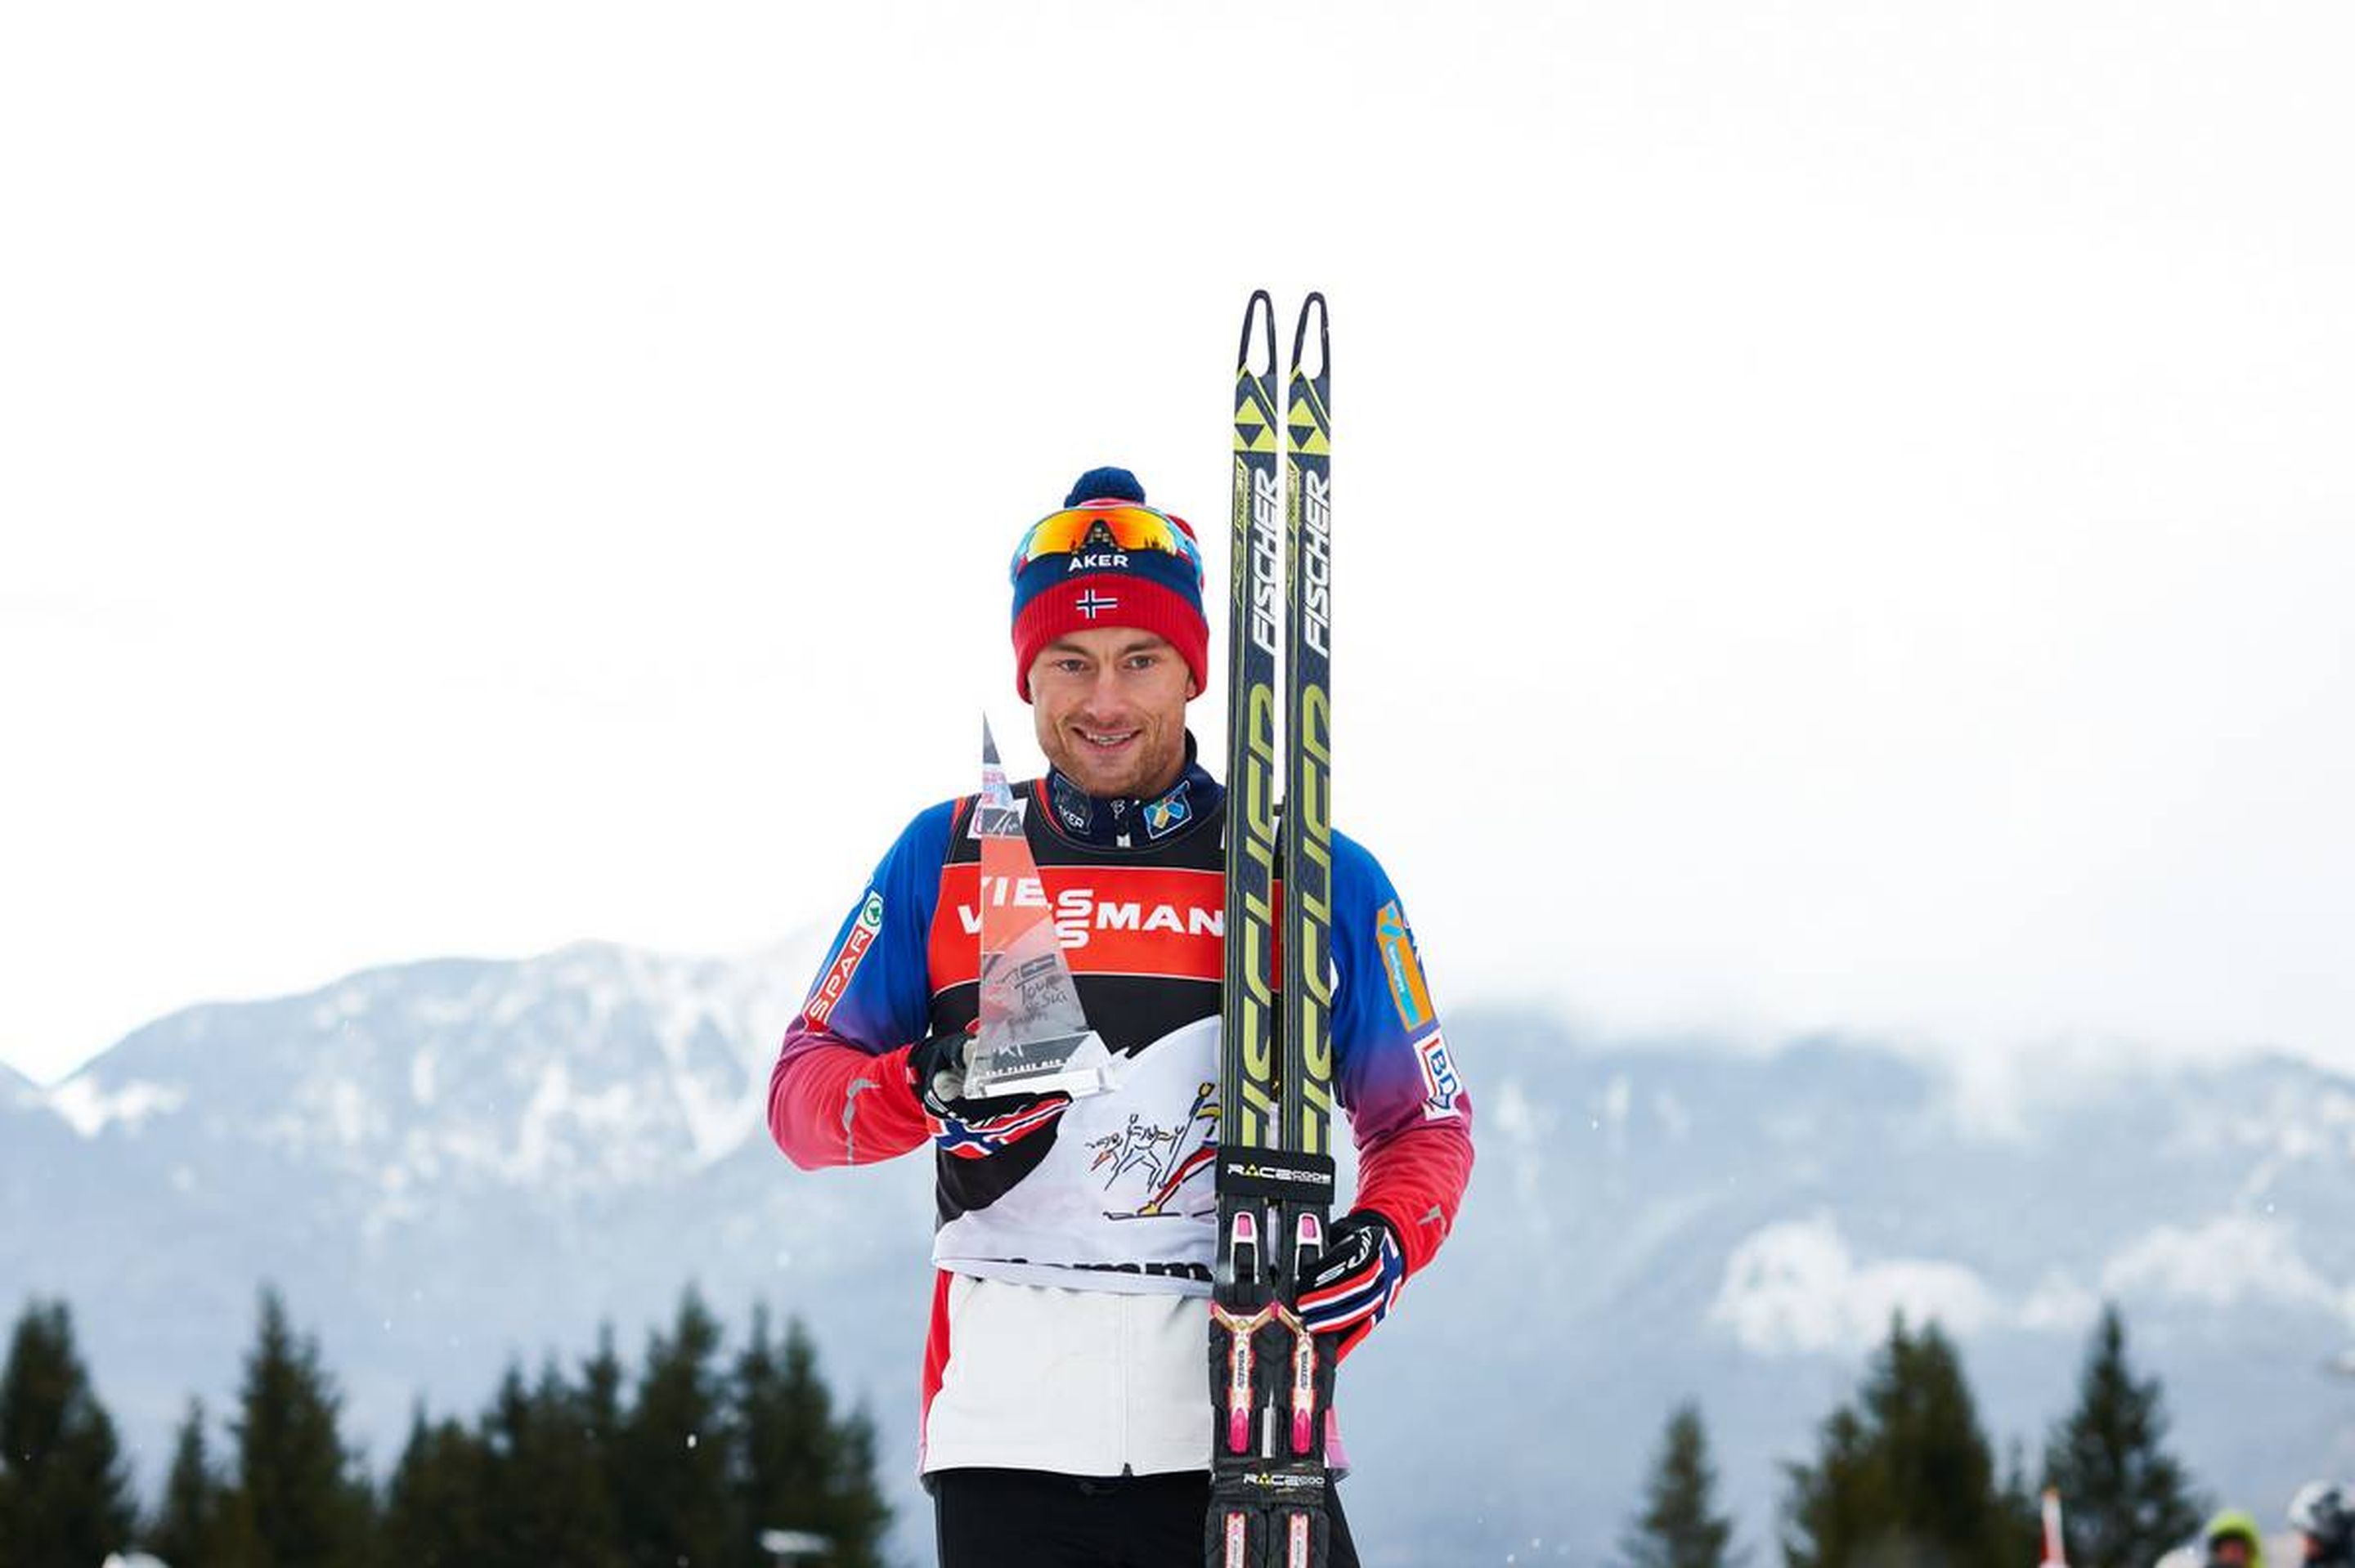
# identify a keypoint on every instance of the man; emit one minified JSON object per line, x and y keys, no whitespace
{"x":1067,"y":1411}
{"x":2323,"y":1514}
{"x":2233,"y":1541}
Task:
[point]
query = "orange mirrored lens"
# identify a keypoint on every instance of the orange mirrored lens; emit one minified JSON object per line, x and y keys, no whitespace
{"x":1130,"y":528}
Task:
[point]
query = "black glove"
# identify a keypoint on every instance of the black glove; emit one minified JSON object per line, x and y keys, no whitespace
{"x":973,"y":1125}
{"x":937,"y":1070}
{"x":1356,"y":1281}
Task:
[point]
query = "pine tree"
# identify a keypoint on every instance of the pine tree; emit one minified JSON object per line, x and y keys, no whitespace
{"x":1906,"y":1479}
{"x":1941,"y":1470}
{"x":236,"y":1539}
{"x":1680,"y":1527}
{"x":364,"y":1530}
{"x":600,"y":1410}
{"x":674,"y":1499}
{"x":794,"y":1465}
{"x":857,"y":1516}
{"x":780,"y":1430}
{"x":1834,"y":1507}
{"x":548,"y":1502}
{"x":297,"y":1486}
{"x":65,"y":1495}
{"x":2128,"y":1500}
{"x":2022,"y":1510}
{"x":436,"y":1498}
{"x":187,"y":1526}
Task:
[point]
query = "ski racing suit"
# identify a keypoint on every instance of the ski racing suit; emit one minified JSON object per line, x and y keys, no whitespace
{"x":1068,"y":1328}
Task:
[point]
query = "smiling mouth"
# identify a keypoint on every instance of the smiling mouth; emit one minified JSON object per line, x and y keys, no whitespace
{"x":1105,"y":740}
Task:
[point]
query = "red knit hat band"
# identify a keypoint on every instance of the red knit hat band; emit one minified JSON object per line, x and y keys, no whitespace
{"x":1093,"y":600}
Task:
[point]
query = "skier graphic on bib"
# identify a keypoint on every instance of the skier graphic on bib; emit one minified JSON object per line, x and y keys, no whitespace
{"x":1170,"y":1159}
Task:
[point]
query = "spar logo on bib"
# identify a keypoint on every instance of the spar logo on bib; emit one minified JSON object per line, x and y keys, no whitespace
{"x":855,"y":943}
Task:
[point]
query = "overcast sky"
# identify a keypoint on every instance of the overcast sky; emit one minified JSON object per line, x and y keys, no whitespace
{"x":1843,"y":512}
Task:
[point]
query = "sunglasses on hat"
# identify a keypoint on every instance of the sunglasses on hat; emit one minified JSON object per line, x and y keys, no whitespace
{"x":1080,"y":529}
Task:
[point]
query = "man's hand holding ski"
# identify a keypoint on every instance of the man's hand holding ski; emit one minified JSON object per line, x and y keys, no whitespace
{"x":1355,"y":1282}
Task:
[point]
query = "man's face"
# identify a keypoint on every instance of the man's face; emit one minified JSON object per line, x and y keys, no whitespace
{"x":1110,"y":705}
{"x":2228,"y":1552}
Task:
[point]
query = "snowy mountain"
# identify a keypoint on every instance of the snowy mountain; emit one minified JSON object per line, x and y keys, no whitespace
{"x":449,"y":1163}
{"x":17,"y":1093}
{"x":1740,"y":1229}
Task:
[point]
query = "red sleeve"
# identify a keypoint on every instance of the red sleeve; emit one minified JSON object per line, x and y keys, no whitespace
{"x":834,"y":1104}
{"x":1414,"y":1178}
{"x":839,"y":1092}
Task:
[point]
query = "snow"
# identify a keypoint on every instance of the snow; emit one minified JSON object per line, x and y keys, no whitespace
{"x":2319,"y":1127}
{"x":1798,"y":1286}
{"x":1794,"y":1287}
{"x":1619,"y":1098}
{"x":2230,"y":1259}
{"x":551,"y":1101}
{"x":446,"y":1012}
{"x":1514,"y":1114}
{"x":347,"y":1113}
{"x":91,"y":1109}
{"x":1519,"y":1124}
{"x":342,"y":1004}
{"x":513,"y":1003}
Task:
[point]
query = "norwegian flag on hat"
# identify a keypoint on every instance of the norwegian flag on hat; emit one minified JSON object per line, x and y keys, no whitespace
{"x":1107,"y":559}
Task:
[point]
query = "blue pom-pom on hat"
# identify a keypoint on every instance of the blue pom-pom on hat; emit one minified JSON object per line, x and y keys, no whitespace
{"x":1105,"y":485}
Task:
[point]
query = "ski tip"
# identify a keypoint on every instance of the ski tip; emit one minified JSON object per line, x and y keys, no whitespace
{"x":988,"y":744}
{"x":1315,"y":303}
{"x":1261,"y":301}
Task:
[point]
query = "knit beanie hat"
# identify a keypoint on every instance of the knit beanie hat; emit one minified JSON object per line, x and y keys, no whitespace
{"x":1108,"y":560}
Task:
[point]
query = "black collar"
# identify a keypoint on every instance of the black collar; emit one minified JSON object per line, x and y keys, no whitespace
{"x":1124,"y":822}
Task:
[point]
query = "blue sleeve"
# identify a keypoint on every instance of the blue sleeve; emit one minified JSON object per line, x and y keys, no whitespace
{"x":874,"y":989}
{"x":1391,"y":1064}
{"x":1409,"y":1113}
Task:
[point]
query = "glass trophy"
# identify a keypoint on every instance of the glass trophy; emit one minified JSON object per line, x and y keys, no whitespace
{"x":1033,"y":1039}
